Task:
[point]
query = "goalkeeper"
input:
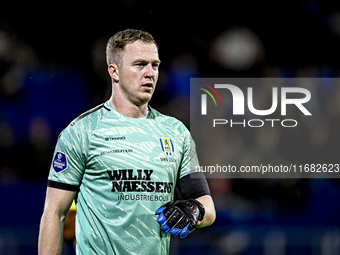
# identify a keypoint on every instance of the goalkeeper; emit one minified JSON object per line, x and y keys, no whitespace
{"x":121,"y":161}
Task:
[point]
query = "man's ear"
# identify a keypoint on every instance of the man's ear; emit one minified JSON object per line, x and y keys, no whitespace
{"x":113,"y":72}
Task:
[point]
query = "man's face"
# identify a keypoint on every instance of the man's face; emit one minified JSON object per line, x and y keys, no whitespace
{"x":138,"y":71}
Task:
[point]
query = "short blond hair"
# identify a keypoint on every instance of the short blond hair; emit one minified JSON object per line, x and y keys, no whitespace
{"x":118,"y":41}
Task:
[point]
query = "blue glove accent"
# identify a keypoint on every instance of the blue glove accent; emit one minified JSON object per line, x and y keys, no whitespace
{"x":185,"y":232}
{"x":175,"y":231}
{"x":161,"y":219}
{"x":160,"y":210}
{"x":165,"y":228}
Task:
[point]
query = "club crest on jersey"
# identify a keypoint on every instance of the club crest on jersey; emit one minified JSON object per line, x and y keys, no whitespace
{"x":59,"y":162}
{"x":167,"y":146}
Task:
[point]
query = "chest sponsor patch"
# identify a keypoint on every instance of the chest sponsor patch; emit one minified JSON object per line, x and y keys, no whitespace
{"x":59,"y":162}
{"x":167,"y":146}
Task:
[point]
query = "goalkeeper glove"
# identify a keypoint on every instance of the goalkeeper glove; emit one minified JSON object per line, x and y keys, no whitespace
{"x":180,"y":217}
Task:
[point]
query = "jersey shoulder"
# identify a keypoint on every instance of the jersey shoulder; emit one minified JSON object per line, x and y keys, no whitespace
{"x":171,"y":124}
{"x":87,"y":121}
{"x":93,"y":115}
{"x":168,"y":121}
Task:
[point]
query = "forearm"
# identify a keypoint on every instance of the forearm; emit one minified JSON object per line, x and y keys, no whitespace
{"x":210,"y":213}
{"x":51,"y":234}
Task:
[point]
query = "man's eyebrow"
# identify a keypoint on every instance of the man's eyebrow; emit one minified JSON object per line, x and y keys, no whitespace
{"x":142,"y":60}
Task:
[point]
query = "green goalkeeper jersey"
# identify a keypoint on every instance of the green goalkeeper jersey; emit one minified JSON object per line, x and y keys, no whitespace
{"x":124,"y":169}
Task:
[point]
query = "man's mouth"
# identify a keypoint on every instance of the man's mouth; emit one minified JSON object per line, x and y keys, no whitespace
{"x":147,"y":86}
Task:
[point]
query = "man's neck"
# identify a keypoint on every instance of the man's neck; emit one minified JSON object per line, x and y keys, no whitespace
{"x":128,"y":108}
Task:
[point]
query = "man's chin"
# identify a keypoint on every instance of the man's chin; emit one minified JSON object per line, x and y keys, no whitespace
{"x":144,"y":100}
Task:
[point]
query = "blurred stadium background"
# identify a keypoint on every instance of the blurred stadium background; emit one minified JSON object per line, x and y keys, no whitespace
{"x":52,"y":68}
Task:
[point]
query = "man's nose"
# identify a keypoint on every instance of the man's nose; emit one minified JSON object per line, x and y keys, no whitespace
{"x":150,"y":73}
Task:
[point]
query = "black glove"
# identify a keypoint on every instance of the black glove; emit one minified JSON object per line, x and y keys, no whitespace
{"x":180,"y":217}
